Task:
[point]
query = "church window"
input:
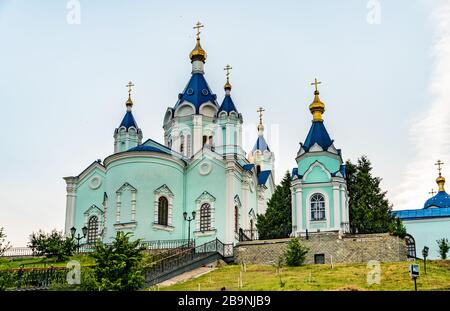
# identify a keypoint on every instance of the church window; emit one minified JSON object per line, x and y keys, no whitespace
{"x":258,"y":169}
{"x":188,"y":145}
{"x":410,"y":246}
{"x":236,"y":219}
{"x":210,"y":139}
{"x":205,"y":217}
{"x":205,"y":139}
{"x":92,"y":233}
{"x":317,"y":207}
{"x":163,"y":211}
{"x":182,"y":143}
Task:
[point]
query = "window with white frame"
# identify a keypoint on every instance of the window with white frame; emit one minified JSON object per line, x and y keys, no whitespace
{"x":163,"y":211}
{"x":317,"y":207}
{"x":92,"y":232}
{"x":188,"y":145}
{"x":205,"y":217}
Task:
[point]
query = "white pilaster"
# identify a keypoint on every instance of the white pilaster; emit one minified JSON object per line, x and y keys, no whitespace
{"x":70,"y":204}
{"x":229,"y":213}
{"x":133,"y":205}
{"x":198,"y":133}
{"x":299,"y":209}
{"x":336,"y":206}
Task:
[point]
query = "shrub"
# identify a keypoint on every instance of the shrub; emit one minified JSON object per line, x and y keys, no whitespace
{"x":53,"y":244}
{"x":118,"y":266}
{"x":296,"y":253}
{"x":397,"y":228}
{"x":4,"y":246}
{"x":444,"y":247}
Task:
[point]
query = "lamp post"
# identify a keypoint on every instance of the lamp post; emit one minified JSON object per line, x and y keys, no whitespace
{"x":425,"y":255}
{"x":185,"y":215}
{"x":73,"y":230}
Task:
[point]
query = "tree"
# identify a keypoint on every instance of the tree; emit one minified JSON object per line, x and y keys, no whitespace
{"x":4,"y":246}
{"x":370,"y":210}
{"x":444,"y":247}
{"x":52,"y":245}
{"x":277,"y":221}
{"x":118,"y":265}
{"x":296,"y":253}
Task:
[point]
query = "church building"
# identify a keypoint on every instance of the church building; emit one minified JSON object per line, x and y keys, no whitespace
{"x":199,"y":171}
{"x":431,"y":223}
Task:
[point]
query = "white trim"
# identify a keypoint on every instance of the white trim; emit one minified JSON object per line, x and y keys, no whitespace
{"x":327,"y":208}
{"x":312,"y":166}
{"x":199,"y":234}
{"x":162,"y":227}
{"x":163,"y":191}
{"x":207,"y":198}
{"x":316,"y":148}
{"x":336,"y":206}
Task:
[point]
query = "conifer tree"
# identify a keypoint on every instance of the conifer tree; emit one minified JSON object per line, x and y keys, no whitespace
{"x":370,"y":210}
{"x":277,"y":221}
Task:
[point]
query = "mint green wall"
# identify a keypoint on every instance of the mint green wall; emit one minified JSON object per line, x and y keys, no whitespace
{"x":317,"y":175}
{"x":331,"y":164}
{"x":328,"y":190}
{"x":146,"y":175}
{"x":426,"y":232}
{"x":215,"y":184}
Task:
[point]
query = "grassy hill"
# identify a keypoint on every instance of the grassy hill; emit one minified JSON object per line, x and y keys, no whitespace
{"x":394,"y":276}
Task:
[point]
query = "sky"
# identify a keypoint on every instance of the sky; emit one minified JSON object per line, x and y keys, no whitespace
{"x":384,"y":67}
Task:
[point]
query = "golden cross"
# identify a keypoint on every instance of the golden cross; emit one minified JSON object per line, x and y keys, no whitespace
{"x":432,"y":192}
{"x":228,"y":68}
{"x":439,"y":163}
{"x":260,"y":111}
{"x":316,"y":83}
{"x":198,"y":26}
{"x":129,"y":86}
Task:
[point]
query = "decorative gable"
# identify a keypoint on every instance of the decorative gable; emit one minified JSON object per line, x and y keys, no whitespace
{"x":315,"y":148}
{"x":206,"y":196}
{"x":163,"y":190}
{"x":93,"y":210}
{"x":126,"y":187}
{"x":317,"y":173}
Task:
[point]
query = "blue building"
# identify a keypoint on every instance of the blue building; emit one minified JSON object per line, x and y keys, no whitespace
{"x":427,"y":225}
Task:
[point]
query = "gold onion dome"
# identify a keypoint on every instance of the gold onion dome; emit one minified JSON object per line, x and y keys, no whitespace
{"x":227,"y":86}
{"x":198,"y":53}
{"x":317,"y":107}
{"x":441,"y":182}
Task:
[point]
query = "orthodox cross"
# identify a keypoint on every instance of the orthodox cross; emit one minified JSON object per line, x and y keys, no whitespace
{"x":260,"y":111}
{"x":439,"y":163}
{"x":432,"y":192}
{"x":198,"y":26}
{"x":129,"y":86}
{"x":316,"y":83}
{"x":227,"y":69}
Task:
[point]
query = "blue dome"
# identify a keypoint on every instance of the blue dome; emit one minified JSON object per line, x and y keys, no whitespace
{"x":227,"y":105}
{"x":197,"y":92}
{"x":128,"y":121}
{"x":442,"y":200}
{"x":317,"y":134}
{"x":147,"y":148}
{"x":261,"y":144}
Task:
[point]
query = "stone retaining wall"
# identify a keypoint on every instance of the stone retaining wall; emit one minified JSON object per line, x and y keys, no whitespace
{"x":347,"y":249}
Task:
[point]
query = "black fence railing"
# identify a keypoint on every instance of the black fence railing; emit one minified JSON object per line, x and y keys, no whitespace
{"x":33,"y":278}
{"x":186,"y":257}
{"x":248,"y":235}
{"x":88,"y":248}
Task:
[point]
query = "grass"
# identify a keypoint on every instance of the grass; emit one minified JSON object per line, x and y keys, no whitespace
{"x":394,"y":276}
{"x":40,"y":262}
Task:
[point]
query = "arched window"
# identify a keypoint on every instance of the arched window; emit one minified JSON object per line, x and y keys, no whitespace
{"x":163,"y":211}
{"x":92,"y":233}
{"x":410,"y":246}
{"x":205,"y":217}
{"x":236,"y":219}
{"x":258,"y":169}
{"x":182,"y":143}
{"x":205,"y":139}
{"x":188,"y":145}
{"x":317,"y":207}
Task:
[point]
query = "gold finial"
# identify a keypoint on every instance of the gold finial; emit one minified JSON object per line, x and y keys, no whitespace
{"x":432,"y":192}
{"x":260,"y":125}
{"x":198,"y":53}
{"x":228,"y":84}
{"x":317,"y":107}
{"x":129,"y":101}
{"x":440,"y":180}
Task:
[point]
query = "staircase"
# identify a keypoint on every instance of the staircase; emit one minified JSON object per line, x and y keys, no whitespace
{"x":187,"y":260}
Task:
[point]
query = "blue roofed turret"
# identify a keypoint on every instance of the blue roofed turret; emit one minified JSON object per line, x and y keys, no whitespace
{"x":228,"y":104}
{"x":197,"y":91}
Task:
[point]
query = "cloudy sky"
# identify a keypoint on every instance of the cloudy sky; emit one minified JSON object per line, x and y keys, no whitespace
{"x":385,"y":67}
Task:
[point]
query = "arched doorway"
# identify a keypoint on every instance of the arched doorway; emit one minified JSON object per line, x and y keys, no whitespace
{"x":410,"y":246}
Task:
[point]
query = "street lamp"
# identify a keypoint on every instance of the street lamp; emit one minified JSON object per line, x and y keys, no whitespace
{"x":425,"y":255}
{"x":185,"y":215}
{"x":73,"y":230}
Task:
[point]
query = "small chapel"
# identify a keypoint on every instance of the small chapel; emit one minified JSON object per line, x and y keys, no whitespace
{"x":200,"y":173}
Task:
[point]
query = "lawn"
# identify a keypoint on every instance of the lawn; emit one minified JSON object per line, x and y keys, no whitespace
{"x":394,"y":276}
{"x":40,"y":262}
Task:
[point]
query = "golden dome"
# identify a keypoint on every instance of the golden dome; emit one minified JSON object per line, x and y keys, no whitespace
{"x":227,"y":85}
{"x":198,"y":53}
{"x":317,"y":108}
{"x":441,"y":182}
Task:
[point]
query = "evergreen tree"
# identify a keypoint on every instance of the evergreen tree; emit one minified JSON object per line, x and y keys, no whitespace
{"x":277,"y":221}
{"x":370,"y":210}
